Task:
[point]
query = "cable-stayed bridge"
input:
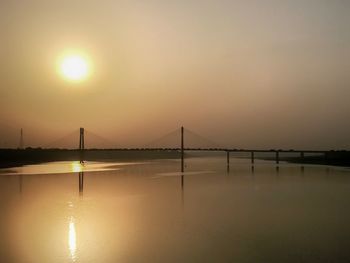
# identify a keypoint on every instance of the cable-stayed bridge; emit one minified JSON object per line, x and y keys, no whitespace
{"x":170,"y":140}
{"x":79,"y":143}
{"x":179,"y":140}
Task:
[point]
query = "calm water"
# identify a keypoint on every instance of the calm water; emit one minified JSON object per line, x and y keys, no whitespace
{"x":148,"y":212}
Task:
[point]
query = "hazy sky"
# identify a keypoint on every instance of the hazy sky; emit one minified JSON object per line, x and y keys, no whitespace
{"x":245,"y":73}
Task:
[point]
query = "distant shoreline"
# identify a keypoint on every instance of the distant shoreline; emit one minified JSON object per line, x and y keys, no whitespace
{"x":15,"y":157}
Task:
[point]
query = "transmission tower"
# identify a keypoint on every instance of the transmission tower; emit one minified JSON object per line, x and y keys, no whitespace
{"x":21,"y":141}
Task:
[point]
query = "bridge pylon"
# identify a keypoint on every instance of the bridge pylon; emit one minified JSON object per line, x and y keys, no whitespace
{"x":81,"y":144}
{"x":182,"y":150}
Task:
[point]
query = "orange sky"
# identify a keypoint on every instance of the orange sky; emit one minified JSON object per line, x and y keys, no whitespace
{"x":262,"y":74}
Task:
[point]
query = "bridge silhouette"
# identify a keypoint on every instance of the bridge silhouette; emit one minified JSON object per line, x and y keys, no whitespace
{"x":181,"y":140}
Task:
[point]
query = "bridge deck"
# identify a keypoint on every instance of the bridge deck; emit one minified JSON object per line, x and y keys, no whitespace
{"x":224,"y":150}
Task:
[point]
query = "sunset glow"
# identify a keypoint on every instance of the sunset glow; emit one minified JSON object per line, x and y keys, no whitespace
{"x":74,"y":67}
{"x":175,"y":131}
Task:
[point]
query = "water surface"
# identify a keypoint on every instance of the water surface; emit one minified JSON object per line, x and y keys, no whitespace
{"x":149,"y":212}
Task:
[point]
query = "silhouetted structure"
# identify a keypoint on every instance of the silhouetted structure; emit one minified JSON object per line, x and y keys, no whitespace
{"x":182,"y":150}
{"x":10,"y":157}
{"x":21,"y":140}
{"x":81,"y":144}
{"x":228,"y":160}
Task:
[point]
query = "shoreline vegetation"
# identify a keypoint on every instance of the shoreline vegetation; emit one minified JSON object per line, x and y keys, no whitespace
{"x":19,"y":157}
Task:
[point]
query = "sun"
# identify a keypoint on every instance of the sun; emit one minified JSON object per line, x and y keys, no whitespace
{"x":74,"y":67}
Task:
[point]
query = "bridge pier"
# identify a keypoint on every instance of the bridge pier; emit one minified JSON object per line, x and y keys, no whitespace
{"x":277,"y":157}
{"x":302,"y":154}
{"x":252,"y":157}
{"x":182,"y":150}
{"x":228,"y":160}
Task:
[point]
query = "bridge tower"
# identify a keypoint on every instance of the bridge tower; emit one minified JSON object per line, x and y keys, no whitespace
{"x":21,"y":141}
{"x":182,"y":150}
{"x":81,"y":144}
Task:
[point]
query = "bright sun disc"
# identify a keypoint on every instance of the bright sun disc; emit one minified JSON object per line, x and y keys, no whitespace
{"x":74,"y":68}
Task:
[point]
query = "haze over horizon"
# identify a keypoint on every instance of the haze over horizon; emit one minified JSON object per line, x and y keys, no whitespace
{"x":246,"y":74}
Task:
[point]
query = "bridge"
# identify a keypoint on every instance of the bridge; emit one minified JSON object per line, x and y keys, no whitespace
{"x":182,"y":135}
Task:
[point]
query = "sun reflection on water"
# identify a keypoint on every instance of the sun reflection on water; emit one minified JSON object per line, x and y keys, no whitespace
{"x":76,"y":167}
{"x":72,"y":239}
